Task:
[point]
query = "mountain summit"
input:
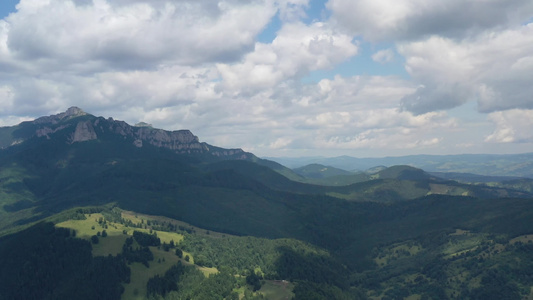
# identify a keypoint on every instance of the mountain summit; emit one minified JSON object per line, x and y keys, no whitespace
{"x":75,"y":126}
{"x":72,"y":112}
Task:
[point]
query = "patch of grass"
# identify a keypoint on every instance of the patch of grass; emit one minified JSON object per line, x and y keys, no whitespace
{"x":397,"y":251}
{"x":461,"y":245}
{"x":525,"y":239}
{"x":277,"y":290}
{"x":460,"y":232}
{"x":137,"y":218}
{"x":208,"y":271}
{"x":112,"y":244}
{"x":140,"y":274}
{"x":84,"y":227}
{"x":167,"y":237}
{"x":444,"y":189}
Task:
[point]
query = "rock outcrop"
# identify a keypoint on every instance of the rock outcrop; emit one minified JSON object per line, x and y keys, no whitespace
{"x":179,"y":141}
{"x":84,"y":132}
{"x":45,"y":131}
{"x":72,"y":112}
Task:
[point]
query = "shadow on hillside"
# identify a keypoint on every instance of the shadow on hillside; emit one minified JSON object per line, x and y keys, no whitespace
{"x":294,"y":265}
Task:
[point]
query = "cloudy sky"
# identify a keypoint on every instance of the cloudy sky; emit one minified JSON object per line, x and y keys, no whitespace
{"x":282,"y":77}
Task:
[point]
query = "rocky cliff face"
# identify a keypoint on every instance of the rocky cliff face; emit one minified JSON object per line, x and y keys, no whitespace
{"x":91,"y":127}
{"x":180,"y":141}
{"x":84,"y":132}
{"x":176,"y":140}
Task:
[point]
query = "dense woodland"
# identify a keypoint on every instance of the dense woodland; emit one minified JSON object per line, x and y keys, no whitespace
{"x":44,"y":262}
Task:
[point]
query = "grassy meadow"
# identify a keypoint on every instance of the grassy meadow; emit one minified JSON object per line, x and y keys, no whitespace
{"x":113,"y":242}
{"x":117,"y":233}
{"x":277,"y":290}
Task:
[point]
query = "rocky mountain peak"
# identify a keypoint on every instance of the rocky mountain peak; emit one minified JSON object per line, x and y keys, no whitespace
{"x":72,"y":112}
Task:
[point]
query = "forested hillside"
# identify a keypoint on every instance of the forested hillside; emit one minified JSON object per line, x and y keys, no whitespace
{"x":170,"y":217}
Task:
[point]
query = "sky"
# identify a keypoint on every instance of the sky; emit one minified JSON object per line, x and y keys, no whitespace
{"x":365,"y":78}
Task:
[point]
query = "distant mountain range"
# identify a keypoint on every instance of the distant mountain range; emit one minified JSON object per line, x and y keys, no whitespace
{"x":514,"y":165}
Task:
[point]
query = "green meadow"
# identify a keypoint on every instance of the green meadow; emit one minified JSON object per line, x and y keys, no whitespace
{"x":277,"y":290}
{"x":117,"y":234}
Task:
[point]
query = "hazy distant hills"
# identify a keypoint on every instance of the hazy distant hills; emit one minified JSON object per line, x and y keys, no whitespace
{"x":320,"y":171}
{"x":517,"y":165}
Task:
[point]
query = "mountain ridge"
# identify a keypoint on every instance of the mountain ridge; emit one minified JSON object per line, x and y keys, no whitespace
{"x":83,"y":127}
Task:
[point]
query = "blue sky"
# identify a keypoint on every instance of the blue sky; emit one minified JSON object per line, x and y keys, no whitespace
{"x":7,"y":7}
{"x":282,"y":78}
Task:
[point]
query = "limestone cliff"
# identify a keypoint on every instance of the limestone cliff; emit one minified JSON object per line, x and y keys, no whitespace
{"x":179,"y":141}
{"x":78,"y":127}
{"x":84,"y":132}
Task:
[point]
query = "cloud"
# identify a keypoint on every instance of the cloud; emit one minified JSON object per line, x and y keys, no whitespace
{"x":198,"y":65}
{"x":512,"y":126}
{"x":413,"y":19}
{"x":134,"y":35}
{"x":6,"y":94}
{"x":384,"y":128}
{"x":280,"y":143}
{"x":492,"y":69}
{"x":344,"y":113}
{"x":119,"y":54}
{"x":297,"y":50}
{"x":383,"y":56}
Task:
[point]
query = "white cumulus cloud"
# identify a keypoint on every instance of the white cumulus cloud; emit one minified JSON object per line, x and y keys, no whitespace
{"x":297,"y":49}
{"x":511,"y":126}
{"x":492,"y":69}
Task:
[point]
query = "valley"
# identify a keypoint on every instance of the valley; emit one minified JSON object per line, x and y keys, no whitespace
{"x":171,"y":217}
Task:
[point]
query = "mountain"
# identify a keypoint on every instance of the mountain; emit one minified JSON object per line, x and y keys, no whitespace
{"x":74,"y":126}
{"x":396,"y":231}
{"x":75,"y":159}
{"x":515,"y":165}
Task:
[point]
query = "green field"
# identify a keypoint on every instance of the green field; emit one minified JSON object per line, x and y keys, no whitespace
{"x":140,"y":274}
{"x":112,"y":245}
{"x":277,"y":290}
